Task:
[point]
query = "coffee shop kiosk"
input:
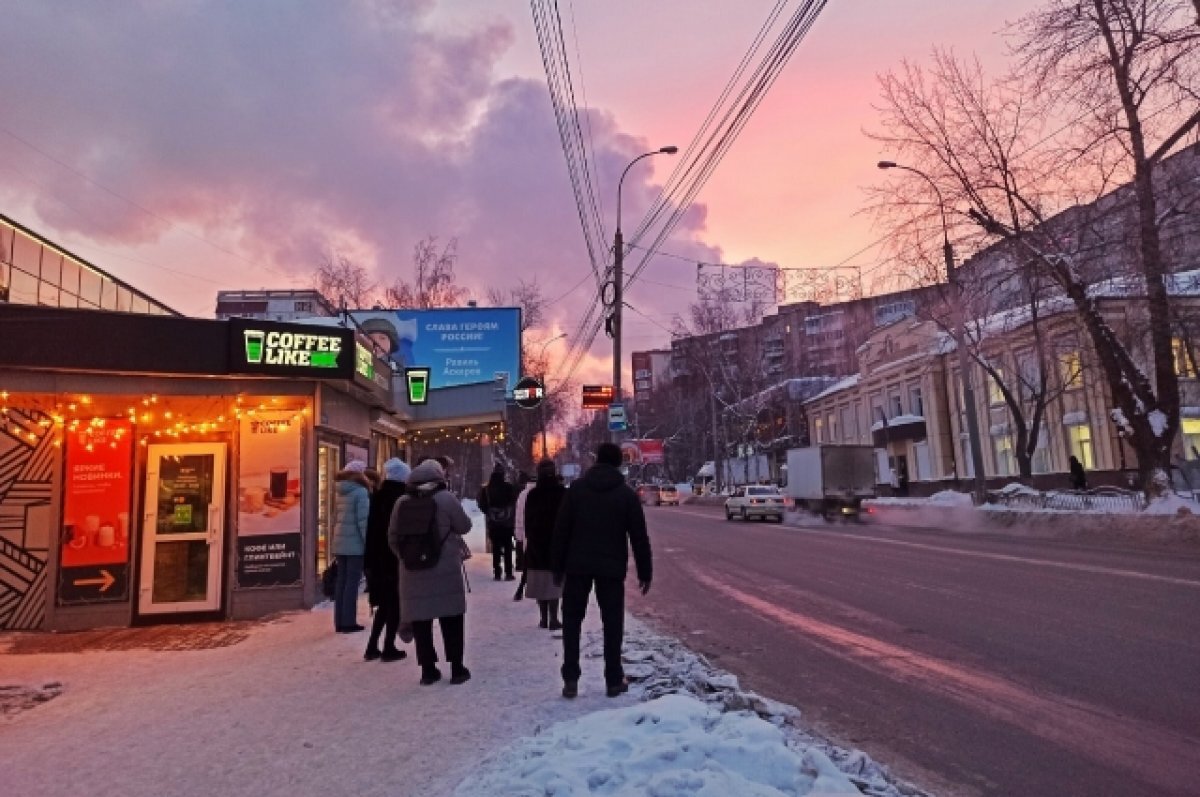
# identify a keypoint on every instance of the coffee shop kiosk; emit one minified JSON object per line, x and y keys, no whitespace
{"x":168,"y":469}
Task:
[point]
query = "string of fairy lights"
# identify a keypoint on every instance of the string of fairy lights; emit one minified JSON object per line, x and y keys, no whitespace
{"x":151,"y":418}
{"x":456,"y":434}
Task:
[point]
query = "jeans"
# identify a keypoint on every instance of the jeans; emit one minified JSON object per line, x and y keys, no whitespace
{"x":452,"y":640}
{"x":610,"y":596}
{"x":345,"y":591}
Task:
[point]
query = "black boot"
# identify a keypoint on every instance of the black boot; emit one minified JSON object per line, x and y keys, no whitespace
{"x":555,"y":625}
{"x":430,"y":675}
{"x":544,"y":611}
{"x":392,"y":653}
{"x":459,"y":674}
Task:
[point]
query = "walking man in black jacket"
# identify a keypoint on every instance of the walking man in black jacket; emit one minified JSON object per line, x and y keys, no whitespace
{"x":600,"y":518}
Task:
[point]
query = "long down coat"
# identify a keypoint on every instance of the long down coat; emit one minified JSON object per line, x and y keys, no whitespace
{"x":439,"y":591}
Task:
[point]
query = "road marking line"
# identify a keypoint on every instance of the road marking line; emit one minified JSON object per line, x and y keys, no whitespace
{"x":1155,"y":754}
{"x":1002,"y":557}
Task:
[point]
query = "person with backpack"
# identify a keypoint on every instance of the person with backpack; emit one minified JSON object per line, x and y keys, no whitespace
{"x":599,"y":520}
{"x":541,"y":511}
{"x":381,"y":565}
{"x":497,"y":501}
{"x":349,"y":543}
{"x":432,"y":585}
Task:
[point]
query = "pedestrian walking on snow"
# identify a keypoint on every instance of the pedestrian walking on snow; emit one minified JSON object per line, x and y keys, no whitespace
{"x":497,"y":501}
{"x":542,"y":505}
{"x":351,"y":511}
{"x":524,"y":485}
{"x":381,"y":565}
{"x":1078,"y":475}
{"x":437,"y":592}
{"x":599,"y":520}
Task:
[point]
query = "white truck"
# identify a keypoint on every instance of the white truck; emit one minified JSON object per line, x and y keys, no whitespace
{"x":831,"y":481}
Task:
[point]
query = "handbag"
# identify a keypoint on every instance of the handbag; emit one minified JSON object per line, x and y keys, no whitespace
{"x":329,"y":580}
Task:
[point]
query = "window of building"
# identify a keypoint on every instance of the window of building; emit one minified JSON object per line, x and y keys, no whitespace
{"x":304,"y":307}
{"x":895,"y":405}
{"x":849,"y":423}
{"x":995,"y":394}
{"x":1185,"y":358}
{"x":1040,"y":461}
{"x":876,"y":408}
{"x":1079,"y":440}
{"x":1005,"y":462}
{"x":27,"y":255}
{"x":916,"y":404}
{"x":1190,"y":427}
{"x":831,"y":420}
{"x":1028,"y":375}
{"x":1070,"y":369}
{"x":819,"y":430}
{"x":966,"y":463}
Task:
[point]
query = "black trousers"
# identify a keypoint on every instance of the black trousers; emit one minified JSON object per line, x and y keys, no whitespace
{"x":502,"y":553}
{"x":387,"y":618}
{"x":610,"y":596}
{"x":452,"y":639}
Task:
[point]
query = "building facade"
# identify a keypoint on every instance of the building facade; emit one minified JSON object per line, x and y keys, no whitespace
{"x":273,"y":305}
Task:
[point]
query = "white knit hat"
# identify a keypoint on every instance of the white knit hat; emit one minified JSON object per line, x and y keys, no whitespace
{"x":356,"y":466}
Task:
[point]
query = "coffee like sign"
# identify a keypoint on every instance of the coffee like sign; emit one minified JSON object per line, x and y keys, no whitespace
{"x":292,"y":348}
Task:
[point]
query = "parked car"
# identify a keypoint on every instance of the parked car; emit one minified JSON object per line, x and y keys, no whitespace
{"x":668,"y":494}
{"x":762,"y":501}
{"x":648,"y":493}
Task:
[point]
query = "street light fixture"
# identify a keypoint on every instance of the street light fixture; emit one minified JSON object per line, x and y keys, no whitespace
{"x":542,"y":405}
{"x":614,"y":323}
{"x":959,"y":333}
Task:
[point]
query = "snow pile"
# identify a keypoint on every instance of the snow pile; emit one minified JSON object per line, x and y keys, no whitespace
{"x":672,"y":746}
{"x":1016,"y":488}
{"x":952,"y":498}
{"x":1173,"y":504}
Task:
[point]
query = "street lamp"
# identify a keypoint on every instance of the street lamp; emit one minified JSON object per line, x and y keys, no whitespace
{"x":614,"y":321}
{"x":959,"y":332}
{"x":542,"y":405}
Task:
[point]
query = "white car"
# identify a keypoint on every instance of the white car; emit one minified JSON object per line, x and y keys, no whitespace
{"x":755,"y":501}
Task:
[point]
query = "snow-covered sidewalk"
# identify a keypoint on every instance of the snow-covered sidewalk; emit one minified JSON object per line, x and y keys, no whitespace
{"x":294,"y":710}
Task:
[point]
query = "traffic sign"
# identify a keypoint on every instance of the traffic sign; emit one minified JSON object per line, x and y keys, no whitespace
{"x":597,"y":397}
{"x":528,"y":393}
{"x":617,"y":422}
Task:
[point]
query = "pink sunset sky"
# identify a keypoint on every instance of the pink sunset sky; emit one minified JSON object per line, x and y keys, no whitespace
{"x":190,"y":147}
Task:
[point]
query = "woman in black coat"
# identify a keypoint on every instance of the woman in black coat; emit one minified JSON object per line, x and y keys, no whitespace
{"x":381,"y":565}
{"x":541,"y":511}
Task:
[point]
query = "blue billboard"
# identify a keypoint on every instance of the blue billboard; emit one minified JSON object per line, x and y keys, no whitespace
{"x":461,"y":346}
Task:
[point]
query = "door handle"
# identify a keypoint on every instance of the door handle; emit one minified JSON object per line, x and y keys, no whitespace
{"x":214,"y":518}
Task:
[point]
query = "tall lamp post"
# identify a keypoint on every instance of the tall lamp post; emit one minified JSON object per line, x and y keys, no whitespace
{"x":960,"y":334}
{"x":614,"y":321}
{"x":542,"y":406}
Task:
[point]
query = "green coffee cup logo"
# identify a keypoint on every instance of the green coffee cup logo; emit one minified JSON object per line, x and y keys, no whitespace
{"x":417,"y":380}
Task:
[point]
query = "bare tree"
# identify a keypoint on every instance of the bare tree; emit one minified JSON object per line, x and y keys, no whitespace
{"x":344,"y":282}
{"x":1044,"y":188}
{"x":526,"y":295}
{"x":433,"y":283}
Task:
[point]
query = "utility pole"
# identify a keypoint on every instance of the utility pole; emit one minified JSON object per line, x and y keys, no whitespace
{"x":614,"y":320}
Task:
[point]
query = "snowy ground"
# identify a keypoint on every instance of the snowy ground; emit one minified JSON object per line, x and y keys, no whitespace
{"x":294,"y":710}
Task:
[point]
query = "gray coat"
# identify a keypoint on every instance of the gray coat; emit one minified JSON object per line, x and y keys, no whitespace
{"x":438,"y":591}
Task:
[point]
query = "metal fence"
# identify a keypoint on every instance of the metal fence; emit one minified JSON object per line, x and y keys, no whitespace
{"x":1101,"y":499}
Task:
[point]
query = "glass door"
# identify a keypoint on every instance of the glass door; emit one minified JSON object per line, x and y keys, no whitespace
{"x":183,"y":528}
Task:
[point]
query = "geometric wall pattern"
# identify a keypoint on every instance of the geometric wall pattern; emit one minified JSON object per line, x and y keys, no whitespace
{"x":28,"y":459}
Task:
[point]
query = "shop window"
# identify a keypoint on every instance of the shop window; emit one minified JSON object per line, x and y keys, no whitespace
{"x":70,"y":276}
{"x":1079,"y":440}
{"x":48,"y":294}
{"x":89,"y":288}
{"x":1190,"y":427}
{"x":124,"y":299}
{"x":23,"y":289}
{"x":27,"y":254}
{"x":51,"y":267}
{"x":1184,"y":357}
{"x":108,"y":295}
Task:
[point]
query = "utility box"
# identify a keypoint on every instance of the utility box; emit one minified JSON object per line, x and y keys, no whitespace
{"x":831,"y":480}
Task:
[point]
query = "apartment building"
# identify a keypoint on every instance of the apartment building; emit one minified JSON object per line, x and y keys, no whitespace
{"x":273,"y":305}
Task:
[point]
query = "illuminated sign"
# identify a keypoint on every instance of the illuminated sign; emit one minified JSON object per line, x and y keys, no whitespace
{"x":597,"y":397}
{"x":276,"y":349}
{"x":528,"y":393}
{"x":417,"y":382}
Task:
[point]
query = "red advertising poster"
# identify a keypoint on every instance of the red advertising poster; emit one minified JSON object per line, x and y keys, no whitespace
{"x":96,"y":495}
{"x":651,"y":451}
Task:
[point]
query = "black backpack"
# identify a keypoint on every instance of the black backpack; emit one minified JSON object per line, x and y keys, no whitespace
{"x":415,"y":519}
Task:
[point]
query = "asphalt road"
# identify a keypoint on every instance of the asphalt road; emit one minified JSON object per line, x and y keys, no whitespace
{"x":970,"y":665}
